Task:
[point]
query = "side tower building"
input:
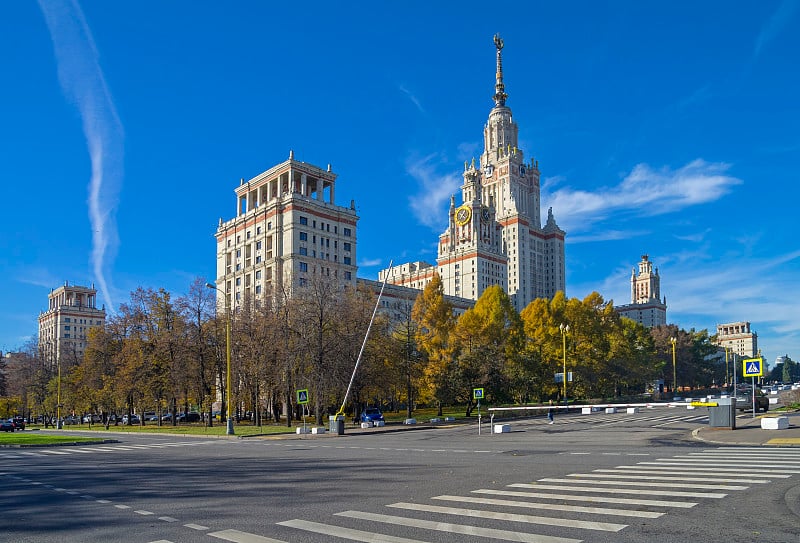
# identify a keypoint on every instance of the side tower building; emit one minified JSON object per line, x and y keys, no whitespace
{"x":739,"y":338}
{"x":71,"y":312}
{"x":495,"y":235}
{"x":646,"y":305}
{"x":287,"y":231}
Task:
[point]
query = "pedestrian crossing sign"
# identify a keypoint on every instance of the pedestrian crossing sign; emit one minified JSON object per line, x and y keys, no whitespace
{"x":302,"y":396}
{"x":753,"y":367}
{"x":477,"y":393}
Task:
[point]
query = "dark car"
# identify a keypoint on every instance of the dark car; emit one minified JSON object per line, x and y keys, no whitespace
{"x":18,"y":422}
{"x":744,"y":401}
{"x":371,"y":414}
{"x":188,"y":417}
{"x":7,"y":426}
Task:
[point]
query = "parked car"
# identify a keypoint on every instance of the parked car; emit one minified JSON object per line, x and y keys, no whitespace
{"x":744,"y":401}
{"x":371,"y":414}
{"x":18,"y":422}
{"x":188,"y":417}
{"x":71,"y":419}
{"x":134,"y":419}
{"x":7,"y":425}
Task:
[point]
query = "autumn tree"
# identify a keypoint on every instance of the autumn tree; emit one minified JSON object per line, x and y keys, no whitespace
{"x":435,"y":321}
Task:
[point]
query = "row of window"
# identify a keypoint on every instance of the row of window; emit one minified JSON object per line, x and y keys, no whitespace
{"x":83,"y":321}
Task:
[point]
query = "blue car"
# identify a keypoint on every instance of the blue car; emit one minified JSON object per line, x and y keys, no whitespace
{"x":371,"y":414}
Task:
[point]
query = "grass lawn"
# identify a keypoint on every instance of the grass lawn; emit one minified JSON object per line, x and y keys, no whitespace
{"x":41,"y":438}
{"x":242,"y":429}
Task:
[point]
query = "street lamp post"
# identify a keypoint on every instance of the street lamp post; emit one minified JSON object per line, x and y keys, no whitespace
{"x":564,"y":329}
{"x":727,"y":381}
{"x":674,"y":368}
{"x":228,"y":394}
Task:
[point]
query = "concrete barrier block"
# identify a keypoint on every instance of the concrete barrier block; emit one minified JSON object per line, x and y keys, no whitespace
{"x":611,"y":410}
{"x":502,"y":428}
{"x":773,"y":401}
{"x":690,"y":407}
{"x":633,"y":410}
{"x":302,"y":430}
{"x":379,"y":423}
{"x":366,"y":424}
{"x":318,"y":430}
{"x":410,"y":421}
{"x":449,"y":419}
{"x":586,"y":410}
{"x":774,"y":423}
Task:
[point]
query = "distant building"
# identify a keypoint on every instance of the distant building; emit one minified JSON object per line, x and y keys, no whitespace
{"x":739,"y":338}
{"x":495,"y":235}
{"x":72,"y":311}
{"x":287,"y":230}
{"x":646,"y":307}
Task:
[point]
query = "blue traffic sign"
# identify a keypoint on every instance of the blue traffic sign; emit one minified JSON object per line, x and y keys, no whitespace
{"x":753,"y":367}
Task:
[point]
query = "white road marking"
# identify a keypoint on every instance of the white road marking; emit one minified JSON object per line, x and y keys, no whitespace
{"x":168,"y":519}
{"x":606,"y":473}
{"x":590,"y":499}
{"x":553,"y":507}
{"x":143,"y":512}
{"x":641,"y":483}
{"x":530,"y":519}
{"x":196,"y":526}
{"x":672,"y":493}
{"x":345,"y":533}
{"x":730,"y":467}
{"x":457,"y":528}
{"x":242,"y":537}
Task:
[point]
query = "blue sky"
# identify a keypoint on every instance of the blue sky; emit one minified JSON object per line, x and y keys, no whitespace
{"x":665,"y":129}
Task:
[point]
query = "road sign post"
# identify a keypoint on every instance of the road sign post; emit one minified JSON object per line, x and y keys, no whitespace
{"x":477,"y":394}
{"x":753,"y":367}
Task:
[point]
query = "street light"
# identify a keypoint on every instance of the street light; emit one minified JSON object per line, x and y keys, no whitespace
{"x":228,"y":394}
{"x":674,"y":371}
{"x":727,"y":381}
{"x":564,"y":329}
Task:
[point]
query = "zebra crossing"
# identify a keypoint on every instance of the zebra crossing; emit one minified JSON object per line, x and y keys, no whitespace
{"x":612,"y":497}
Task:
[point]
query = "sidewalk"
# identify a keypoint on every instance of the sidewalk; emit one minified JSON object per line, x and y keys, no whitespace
{"x":748,"y":432}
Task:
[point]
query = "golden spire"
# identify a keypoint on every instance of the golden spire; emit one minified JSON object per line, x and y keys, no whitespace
{"x":499,"y":89}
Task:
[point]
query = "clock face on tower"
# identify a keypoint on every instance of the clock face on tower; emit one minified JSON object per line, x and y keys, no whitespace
{"x":463,"y":215}
{"x":488,"y":170}
{"x":485,"y":214}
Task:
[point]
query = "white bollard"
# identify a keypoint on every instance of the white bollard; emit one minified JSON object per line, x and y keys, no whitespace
{"x":633,"y":410}
{"x":318,"y":430}
{"x":302,"y":430}
{"x":586,"y":410}
{"x":611,"y":410}
{"x":774,"y":423}
{"x":502,"y":428}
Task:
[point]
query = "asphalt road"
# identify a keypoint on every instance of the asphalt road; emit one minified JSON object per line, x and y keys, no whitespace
{"x":538,"y":483}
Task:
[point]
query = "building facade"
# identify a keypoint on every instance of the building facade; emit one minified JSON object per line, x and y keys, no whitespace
{"x":287,"y":231}
{"x":738,"y":338}
{"x":72,"y":311}
{"x":495,"y":236}
{"x":646,"y":307}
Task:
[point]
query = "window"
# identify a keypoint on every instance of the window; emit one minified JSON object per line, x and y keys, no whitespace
{"x":238,"y":281}
{"x":346,"y":246}
{"x":258,"y":289}
{"x":66,"y":319}
{"x":347,"y":232}
{"x":258,"y":275}
{"x":303,"y":236}
{"x":269,"y":225}
{"x":258,"y":259}
{"x":303,"y":267}
{"x":303,"y":220}
{"x":258,"y":230}
{"x":347,"y":260}
{"x":303,"y":251}
{"x":258,"y":246}
{"x":248,"y":234}
{"x":348,"y":276}
{"x":303,"y":282}
{"x":66,"y":327}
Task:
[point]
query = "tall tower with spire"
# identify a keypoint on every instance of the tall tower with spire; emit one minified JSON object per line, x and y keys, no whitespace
{"x":646,"y":306}
{"x":495,"y":235}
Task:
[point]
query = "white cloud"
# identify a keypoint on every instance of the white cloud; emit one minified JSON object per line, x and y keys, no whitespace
{"x":368,"y":263}
{"x":775,"y":25}
{"x":84,"y":85}
{"x":643,"y":192}
{"x":412,"y":97}
{"x":434,"y":192}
